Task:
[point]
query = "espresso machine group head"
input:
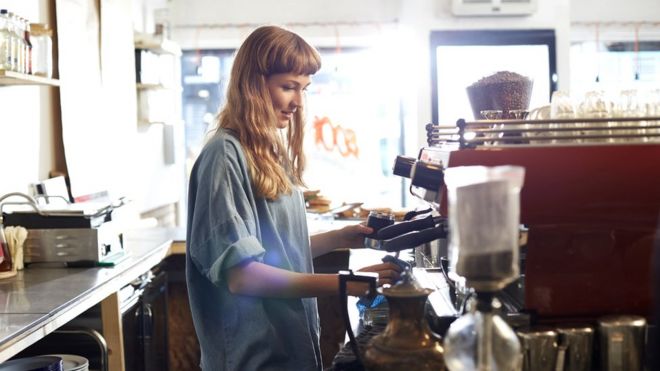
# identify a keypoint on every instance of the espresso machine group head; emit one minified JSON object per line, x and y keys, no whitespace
{"x":394,"y":237}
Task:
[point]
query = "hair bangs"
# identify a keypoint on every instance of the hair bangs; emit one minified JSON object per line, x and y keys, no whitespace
{"x":299,"y":58}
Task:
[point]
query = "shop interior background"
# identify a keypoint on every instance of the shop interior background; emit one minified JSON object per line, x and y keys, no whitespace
{"x":369,"y":103}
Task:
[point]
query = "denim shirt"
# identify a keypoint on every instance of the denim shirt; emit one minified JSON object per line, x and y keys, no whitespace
{"x":227,"y":225}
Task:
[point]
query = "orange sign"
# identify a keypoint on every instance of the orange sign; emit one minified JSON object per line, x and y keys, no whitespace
{"x":330,"y":137}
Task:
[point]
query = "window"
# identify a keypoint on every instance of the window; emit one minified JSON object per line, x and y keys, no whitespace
{"x":205,"y":75}
{"x":614,"y":66}
{"x":354,"y":123}
{"x":354,"y":129}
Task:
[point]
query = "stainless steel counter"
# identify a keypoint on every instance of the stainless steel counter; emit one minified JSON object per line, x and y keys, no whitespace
{"x":40,"y":299}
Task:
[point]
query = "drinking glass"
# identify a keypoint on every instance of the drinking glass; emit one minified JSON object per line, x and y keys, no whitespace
{"x":561,"y":107}
{"x":653,"y":110}
{"x":492,"y":115}
{"x":630,"y":105}
{"x":595,"y":105}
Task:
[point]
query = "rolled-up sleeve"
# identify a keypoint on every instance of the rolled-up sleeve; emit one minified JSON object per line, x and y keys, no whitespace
{"x":222,"y":226}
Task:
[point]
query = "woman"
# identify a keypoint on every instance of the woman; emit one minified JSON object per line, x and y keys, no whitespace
{"x":249,"y":256}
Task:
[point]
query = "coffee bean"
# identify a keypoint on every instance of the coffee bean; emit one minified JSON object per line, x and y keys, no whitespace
{"x":503,"y":91}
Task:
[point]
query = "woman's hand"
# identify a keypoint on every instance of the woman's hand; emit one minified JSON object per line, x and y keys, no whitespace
{"x":349,"y":237}
{"x":352,"y":236}
{"x":388,"y":273}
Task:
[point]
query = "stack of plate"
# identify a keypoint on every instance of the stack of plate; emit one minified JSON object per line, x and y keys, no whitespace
{"x":72,"y":362}
{"x":39,"y":363}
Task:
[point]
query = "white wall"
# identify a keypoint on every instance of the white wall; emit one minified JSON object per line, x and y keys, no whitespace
{"x":615,"y":10}
{"x":616,"y":20}
{"x":224,"y":24}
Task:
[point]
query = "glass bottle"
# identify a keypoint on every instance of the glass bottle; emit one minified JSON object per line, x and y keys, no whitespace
{"x":42,"y":49}
{"x":5,"y":41}
{"x":481,"y":340}
{"x":20,"y":63}
{"x":12,"y":41}
{"x":28,"y":47}
{"x":15,"y":42}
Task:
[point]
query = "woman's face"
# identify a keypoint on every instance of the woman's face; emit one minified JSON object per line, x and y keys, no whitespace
{"x":287,"y":90}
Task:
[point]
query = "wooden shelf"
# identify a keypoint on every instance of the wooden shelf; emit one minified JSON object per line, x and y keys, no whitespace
{"x":142,"y":86}
{"x":15,"y":78}
{"x":156,"y":44}
{"x":149,"y":123}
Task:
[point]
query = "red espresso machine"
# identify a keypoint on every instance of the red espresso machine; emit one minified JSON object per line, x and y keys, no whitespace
{"x":590,"y":201}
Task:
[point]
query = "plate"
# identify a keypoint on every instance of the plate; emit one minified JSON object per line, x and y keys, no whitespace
{"x":71,"y":362}
{"x":346,"y":207}
{"x":39,"y":363}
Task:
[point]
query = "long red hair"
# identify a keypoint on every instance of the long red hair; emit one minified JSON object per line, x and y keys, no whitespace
{"x":275,"y":163}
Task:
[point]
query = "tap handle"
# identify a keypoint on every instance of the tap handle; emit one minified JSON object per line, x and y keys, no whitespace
{"x":414,"y":238}
{"x":398,"y":229}
{"x":411,"y":214}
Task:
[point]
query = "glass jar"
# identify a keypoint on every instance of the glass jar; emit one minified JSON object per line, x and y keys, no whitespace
{"x":484,"y":221}
{"x":482,"y":340}
{"x":41,"y":37}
